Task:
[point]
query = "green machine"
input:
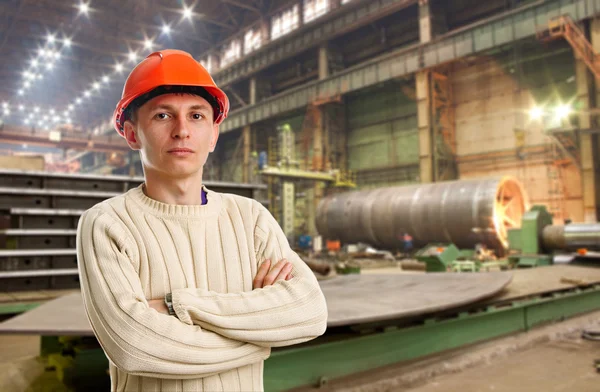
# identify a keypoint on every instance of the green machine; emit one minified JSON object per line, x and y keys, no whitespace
{"x":438,"y":257}
{"x":525,"y":245}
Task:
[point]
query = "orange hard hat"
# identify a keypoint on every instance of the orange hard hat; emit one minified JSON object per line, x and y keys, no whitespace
{"x":168,"y":68}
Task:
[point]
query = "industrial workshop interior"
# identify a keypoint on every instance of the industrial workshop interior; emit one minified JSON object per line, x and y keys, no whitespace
{"x":434,"y":165}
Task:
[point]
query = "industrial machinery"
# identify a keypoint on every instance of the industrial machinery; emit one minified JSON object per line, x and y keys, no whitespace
{"x":464,"y":213}
{"x":538,"y":241}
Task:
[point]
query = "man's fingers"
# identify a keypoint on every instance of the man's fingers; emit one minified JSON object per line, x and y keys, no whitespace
{"x":270,"y":278}
{"x":261,"y":273}
{"x":284,"y":272}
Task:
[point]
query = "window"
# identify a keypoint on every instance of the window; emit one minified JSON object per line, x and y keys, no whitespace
{"x":285,"y":22}
{"x":253,"y":40}
{"x":315,"y":8}
{"x":210,"y":62}
{"x":231,"y":52}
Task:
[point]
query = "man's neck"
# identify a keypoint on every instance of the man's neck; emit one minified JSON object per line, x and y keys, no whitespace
{"x":176,"y":191}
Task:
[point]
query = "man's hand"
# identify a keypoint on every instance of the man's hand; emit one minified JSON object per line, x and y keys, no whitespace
{"x":159,"y":305}
{"x":281,"y":271}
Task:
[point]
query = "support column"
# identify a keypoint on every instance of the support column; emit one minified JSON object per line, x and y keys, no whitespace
{"x":423,"y":91}
{"x":584,"y":81}
{"x":246,"y":151}
{"x":595,"y":140}
{"x":252,"y":89}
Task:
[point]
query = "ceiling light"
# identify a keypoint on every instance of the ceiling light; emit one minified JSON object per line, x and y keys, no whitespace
{"x":26,"y":121}
{"x":6,"y":112}
{"x":119,"y":67}
{"x":49,"y":66}
{"x":34,"y":63}
{"x":132,"y":56}
{"x":148,"y":44}
{"x":26,"y":84}
{"x":39,"y":76}
{"x":96,"y":86}
{"x":70,"y":107}
{"x":87,"y":93}
{"x":52,"y":111}
{"x":563,"y":111}
{"x":57,"y":54}
{"x":78,"y":101}
{"x":45,"y":118}
{"x":166,"y":29}
{"x":187,"y":12}
{"x":4,"y":105}
{"x":51,"y":38}
{"x":84,"y":8}
{"x":65,"y":113}
{"x":105,"y":79}
{"x":21,"y":92}
{"x":36,"y":109}
{"x":21,"y":107}
{"x":67,"y":42}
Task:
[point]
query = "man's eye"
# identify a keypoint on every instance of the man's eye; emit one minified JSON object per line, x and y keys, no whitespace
{"x":162,"y":116}
{"x":197,"y":116}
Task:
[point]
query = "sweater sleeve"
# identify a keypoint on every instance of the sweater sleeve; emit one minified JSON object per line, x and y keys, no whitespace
{"x":135,"y":337}
{"x":285,"y":313}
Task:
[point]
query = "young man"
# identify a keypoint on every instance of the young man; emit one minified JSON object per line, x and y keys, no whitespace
{"x":176,"y":279}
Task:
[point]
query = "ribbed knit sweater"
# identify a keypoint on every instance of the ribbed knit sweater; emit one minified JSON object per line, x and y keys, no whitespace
{"x":132,"y":249}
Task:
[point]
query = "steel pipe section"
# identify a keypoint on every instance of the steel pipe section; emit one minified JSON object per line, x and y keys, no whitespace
{"x":464,"y":212}
{"x":572,"y":236}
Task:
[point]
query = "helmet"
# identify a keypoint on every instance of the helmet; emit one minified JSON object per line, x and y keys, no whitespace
{"x":168,"y":68}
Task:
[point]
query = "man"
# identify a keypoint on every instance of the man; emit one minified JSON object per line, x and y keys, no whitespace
{"x":176,"y":279}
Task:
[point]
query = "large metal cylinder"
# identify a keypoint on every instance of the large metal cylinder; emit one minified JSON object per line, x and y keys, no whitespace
{"x":463,"y":212}
{"x":572,"y":236}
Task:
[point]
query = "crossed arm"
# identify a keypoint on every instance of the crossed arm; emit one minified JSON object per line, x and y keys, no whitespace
{"x":213,"y":332}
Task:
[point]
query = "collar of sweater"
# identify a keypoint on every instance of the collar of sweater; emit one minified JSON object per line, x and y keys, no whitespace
{"x":157,"y":208}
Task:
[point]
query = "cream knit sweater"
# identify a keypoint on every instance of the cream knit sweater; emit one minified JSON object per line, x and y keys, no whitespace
{"x":132,"y":249}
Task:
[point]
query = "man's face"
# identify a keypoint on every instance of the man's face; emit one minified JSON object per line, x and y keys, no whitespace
{"x":174,"y":133}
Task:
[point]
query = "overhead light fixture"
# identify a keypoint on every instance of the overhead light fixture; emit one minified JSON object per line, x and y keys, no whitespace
{"x":70,"y":107}
{"x":536,"y":113}
{"x":4,"y":105}
{"x":26,"y":121}
{"x":78,"y":101}
{"x":52,"y":111}
{"x":49,"y":66}
{"x":36,"y":109}
{"x":105,"y":79}
{"x":21,"y":108}
{"x":96,"y":86}
{"x":119,"y":67}
{"x":148,"y":44}
{"x":87,"y":93}
{"x":166,"y":29}
{"x":132,"y":56}
{"x":39,"y":76}
{"x":34,"y":63}
{"x":21,"y":92}
{"x":84,"y":8}
{"x":67,"y":42}
{"x":187,"y":12}
{"x":51,"y":38}
{"x":26,"y":84}
{"x":562,"y":111}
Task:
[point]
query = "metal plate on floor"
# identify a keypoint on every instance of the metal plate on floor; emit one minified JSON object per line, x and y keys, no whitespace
{"x":356,"y":299}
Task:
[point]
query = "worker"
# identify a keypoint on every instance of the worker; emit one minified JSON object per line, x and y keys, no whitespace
{"x":186,"y":288}
{"x":407,"y":241}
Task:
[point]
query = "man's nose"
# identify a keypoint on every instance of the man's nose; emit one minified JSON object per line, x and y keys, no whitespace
{"x":181,"y":131}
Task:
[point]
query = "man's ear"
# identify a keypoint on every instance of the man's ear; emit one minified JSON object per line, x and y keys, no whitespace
{"x":214,"y":138}
{"x":130,"y":135}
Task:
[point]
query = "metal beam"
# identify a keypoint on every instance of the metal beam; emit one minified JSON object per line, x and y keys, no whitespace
{"x":491,"y":33}
{"x":347,"y":18}
{"x":242,"y":5}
